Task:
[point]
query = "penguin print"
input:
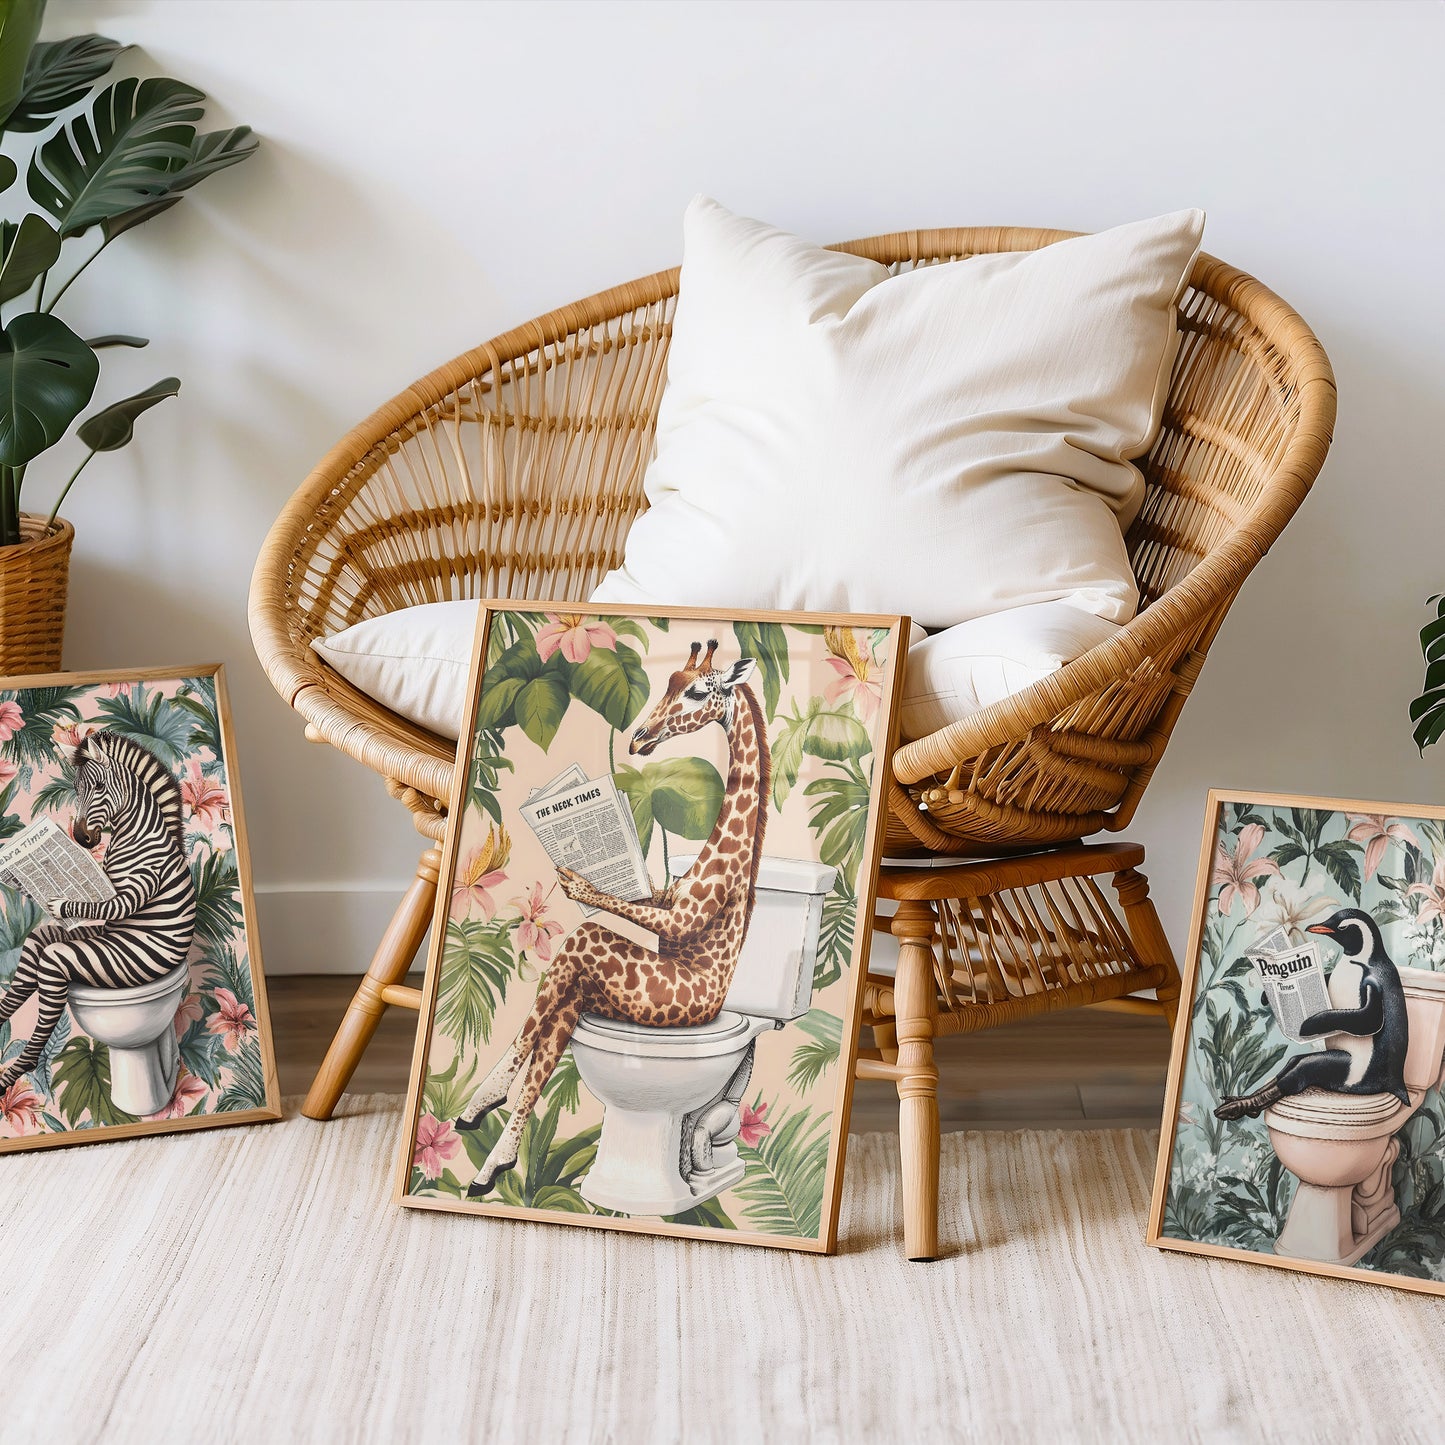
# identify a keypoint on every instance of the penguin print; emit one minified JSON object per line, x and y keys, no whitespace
{"x":1366,"y":1031}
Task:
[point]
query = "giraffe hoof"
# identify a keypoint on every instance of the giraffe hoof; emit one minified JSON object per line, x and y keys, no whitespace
{"x":471,"y":1125}
{"x":482,"y":1184}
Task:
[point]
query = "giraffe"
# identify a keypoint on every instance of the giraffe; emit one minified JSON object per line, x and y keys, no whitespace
{"x":700,"y":919}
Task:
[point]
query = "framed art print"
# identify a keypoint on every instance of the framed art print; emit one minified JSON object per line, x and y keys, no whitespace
{"x":641,"y":1005}
{"x":131,"y":994}
{"x":1304,"y":1124}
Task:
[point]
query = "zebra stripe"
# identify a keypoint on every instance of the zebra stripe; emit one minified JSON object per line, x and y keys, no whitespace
{"x":145,"y":931}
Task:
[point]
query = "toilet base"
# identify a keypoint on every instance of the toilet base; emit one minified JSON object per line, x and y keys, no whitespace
{"x":1341,"y":1225}
{"x":143,"y":1080}
{"x":636,"y":1169}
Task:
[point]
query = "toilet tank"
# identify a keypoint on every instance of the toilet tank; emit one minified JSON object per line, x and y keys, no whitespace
{"x":1425,"y":1008}
{"x":774,"y":978}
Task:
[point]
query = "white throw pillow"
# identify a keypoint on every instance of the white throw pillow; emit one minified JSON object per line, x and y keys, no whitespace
{"x":949,"y":442}
{"x":415,"y":661}
{"x":964,"y":668}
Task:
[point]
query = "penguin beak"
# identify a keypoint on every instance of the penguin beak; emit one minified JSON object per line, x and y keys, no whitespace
{"x":1321,"y":928}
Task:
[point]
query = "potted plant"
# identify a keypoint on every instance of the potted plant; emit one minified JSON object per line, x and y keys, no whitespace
{"x":128,"y":156}
{"x":1427,"y":711}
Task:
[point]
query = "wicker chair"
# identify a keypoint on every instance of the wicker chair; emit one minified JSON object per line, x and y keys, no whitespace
{"x":514,"y":472}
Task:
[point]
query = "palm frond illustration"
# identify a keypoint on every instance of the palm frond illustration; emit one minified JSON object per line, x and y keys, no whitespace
{"x":785,"y":1174}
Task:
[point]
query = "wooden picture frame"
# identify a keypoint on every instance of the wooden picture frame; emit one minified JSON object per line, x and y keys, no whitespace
{"x":1331,"y":1165}
{"x":155,"y":745}
{"x":821,"y":693}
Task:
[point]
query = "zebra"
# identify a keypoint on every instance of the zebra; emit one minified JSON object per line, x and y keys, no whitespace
{"x":145,"y":931}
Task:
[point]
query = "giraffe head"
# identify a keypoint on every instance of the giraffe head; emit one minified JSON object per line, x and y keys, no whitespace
{"x":696,"y":695}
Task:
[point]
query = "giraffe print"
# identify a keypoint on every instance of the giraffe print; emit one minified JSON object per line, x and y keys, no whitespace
{"x":700,"y":919}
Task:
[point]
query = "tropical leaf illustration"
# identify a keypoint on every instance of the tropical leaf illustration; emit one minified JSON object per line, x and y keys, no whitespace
{"x":812,"y":1060}
{"x":149,"y":719}
{"x":839,"y":816}
{"x":477,"y":965}
{"x":784,"y":1183}
{"x":767,"y":644}
{"x":444,"y":1094}
{"x":488,"y":763}
{"x":82,"y":1083}
{"x":42,"y":1074}
{"x":247,"y":1089}
{"x":206,"y":725}
{"x":218,"y":900}
{"x":548,"y":1169}
{"x":682,"y":795}
{"x":565,"y":1085}
{"x":43,"y":709}
{"x":57,"y":795}
{"x":1303,"y":834}
{"x":819,"y":730}
{"x":708,"y":1215}
{"x":201,"y":1053}
{"x":10,"y":823}
{"x":835,"y":935}
{"x":613,"y":683}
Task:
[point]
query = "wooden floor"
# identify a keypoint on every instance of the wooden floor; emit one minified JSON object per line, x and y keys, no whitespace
{"x":1078,"y":1070}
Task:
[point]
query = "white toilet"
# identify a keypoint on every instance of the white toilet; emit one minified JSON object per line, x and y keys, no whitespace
{"x":137,"y":1026}
{"x":671,"y":1096}
{"x":1342,"y":1147}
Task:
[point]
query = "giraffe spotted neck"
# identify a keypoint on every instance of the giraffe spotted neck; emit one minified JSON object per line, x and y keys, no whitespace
{"x":737,"y":837}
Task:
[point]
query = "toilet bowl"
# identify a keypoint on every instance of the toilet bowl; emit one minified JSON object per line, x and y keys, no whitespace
{"x":671,"y":1096}
{"x":1342,"y":1147}
{"x":137,"y":1026}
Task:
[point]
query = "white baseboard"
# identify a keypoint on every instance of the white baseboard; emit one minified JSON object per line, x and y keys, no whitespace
{"x":324,"y":930}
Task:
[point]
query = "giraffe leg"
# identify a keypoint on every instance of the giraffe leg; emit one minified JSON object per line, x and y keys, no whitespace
{"x":559,"y":1005}
{"x":52,"y":982}
{"x":493,"y":1090}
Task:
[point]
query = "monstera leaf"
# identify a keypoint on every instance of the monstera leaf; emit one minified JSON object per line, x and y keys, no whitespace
{"x":47,"y":374}
{"x":119,"y":156}
{"x":26,"y":251}
{"x":82,"y":1083}
{"x":19,"y":26}
{"x":59,"y":74}
{"x":1427,"y":712}
{"x":612,"y":683}
{"x":113,"y":428}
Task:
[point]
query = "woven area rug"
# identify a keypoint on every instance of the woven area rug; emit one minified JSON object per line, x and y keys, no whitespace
{"x":257,"y":1284}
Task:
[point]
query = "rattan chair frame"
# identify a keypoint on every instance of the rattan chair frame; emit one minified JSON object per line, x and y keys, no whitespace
{"x":514,"y":471}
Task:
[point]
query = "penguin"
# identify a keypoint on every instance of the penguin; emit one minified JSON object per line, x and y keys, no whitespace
{"x":1366,"y":1032}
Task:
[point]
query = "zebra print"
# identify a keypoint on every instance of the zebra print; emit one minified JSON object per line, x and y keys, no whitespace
{"x":142,"y":933}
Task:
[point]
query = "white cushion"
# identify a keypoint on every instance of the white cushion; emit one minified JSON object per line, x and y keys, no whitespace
{"x":415,"y":661}
{"x":949,"y":442}
{"x":963,"y":668}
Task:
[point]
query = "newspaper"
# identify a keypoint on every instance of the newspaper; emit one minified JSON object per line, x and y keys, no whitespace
{"x":586,"y":825}
{"x":1293,"y":979}
{"x":45,"y":862}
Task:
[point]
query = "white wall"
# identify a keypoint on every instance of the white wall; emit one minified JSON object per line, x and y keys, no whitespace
{"x":433,"y":173}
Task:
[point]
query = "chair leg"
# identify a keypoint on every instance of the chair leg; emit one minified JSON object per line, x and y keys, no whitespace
{"x":916,"y":1004}
{"x":394,"y":955}
{"x":1149,"y":937}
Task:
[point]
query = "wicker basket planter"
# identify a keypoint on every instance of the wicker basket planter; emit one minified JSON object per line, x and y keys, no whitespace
{"x":33,"y":580}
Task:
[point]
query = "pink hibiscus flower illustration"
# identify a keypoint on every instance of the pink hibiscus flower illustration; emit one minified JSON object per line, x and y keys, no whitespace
{"x":67,"y":736}
{"x":855,"y":679}
{"x":575,"y":635}
{"x":1237,"y":874}
{"x":478,"y":873}
{"x":11,"y":720}
{"x":7,"y":771}
{"x":116,"y":689}
{"x":753,"y":1125}
{"x":534,"y":929}
{"x":20,"y":1107}
{"x":204,"y":796}
{"x":189,"y":1092}
{"x":233,"y":1020}
{"x":435,"y":1144}
{"x":1375,"y":832}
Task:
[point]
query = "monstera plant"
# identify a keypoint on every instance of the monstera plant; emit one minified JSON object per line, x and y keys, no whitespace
{"x":1427,"y":712}
{"x":101,"y":162}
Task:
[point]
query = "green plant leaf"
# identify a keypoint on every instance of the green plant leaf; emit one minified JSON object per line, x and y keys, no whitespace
{"x":99,"y":343}
{"x":19,"y":28}
{"x":477,"y":965}
{"x":8,"y":173}
{"x":82,"y":1082}
{"x":113,"y":226}
{"x":767,"y":644}
{"x":47,"y":374}
{"x":59,"y":74}
{"x":218,"y":900}
{"x":833,"y":734}
{"x":27,"y":250}
{"x":540,"y":707}
{"x":835,"y":936}
{"x":247,"y":1089}
{"x":812,"y":1060}
{"x":200,"y":1052}
{"x":839,"y":816}
{"x":785,"y":1172}
{"x":682,"y":795}
{"x":212,"y":151}
{"x":118,"y":156}
{"x":612,"y":683}
{"x":150,"y":720}
{"x":111,"y":429}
